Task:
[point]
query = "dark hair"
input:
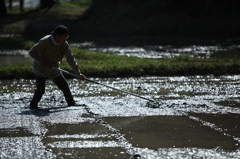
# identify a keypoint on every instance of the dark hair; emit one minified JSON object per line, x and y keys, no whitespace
{"x":60,"y":30}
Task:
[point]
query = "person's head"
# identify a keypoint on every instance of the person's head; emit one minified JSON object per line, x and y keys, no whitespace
{"x":60,"y":34}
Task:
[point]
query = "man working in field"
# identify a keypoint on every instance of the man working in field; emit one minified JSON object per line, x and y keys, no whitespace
{"x":49,"y":51}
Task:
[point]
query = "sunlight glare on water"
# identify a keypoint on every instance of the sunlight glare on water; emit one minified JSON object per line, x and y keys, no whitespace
{"x":198,"y":117}
{"x":148,"y":51}
{"x":167,"y":51}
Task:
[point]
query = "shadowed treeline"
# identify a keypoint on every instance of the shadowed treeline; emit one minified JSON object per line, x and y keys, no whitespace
{"x":138,"y":8}
{"x":133,"y":22}
{"x":130,"y":23}
{"x":205,"y":18}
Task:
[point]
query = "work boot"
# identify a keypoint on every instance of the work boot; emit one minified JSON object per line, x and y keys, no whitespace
{"x":36,"y":98}
{"x":33,"y":106}
{"x":71,"y":104}
{"x":34,"y":102}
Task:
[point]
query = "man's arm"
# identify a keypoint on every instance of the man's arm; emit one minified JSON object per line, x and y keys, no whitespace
{"x":36,"y":53}
{"x":36,"y":50}
{"x":71,"y":61}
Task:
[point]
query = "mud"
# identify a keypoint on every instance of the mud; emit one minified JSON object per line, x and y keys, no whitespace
{"x":198,"y":117}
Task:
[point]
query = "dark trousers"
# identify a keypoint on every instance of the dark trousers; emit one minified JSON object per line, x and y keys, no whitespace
{"x":62,"y":85}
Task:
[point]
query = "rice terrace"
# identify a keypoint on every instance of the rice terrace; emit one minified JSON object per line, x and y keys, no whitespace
{"x":162,"y":79}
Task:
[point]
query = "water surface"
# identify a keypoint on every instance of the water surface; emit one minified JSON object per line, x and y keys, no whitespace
{"x":198,"y":117}
{"x":148,"y":51}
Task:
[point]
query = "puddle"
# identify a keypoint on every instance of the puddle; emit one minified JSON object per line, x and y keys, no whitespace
{"x":156,"y":132}
{"x":198,"y":117}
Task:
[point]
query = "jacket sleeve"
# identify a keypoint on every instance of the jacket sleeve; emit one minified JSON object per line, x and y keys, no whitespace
{"x":71,"y":61}
{"x":37,"y":50}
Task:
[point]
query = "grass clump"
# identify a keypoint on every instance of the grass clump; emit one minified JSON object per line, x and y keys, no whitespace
{"x":76,"y":3}
{"x":19,"y":70}
{"x":95,"y":64}
{"x":109,"y":65}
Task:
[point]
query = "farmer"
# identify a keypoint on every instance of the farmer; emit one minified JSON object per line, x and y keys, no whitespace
{"x":49,"y":51}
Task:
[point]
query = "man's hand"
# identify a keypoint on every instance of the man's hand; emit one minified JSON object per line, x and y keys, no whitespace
{"x":82,"y":76}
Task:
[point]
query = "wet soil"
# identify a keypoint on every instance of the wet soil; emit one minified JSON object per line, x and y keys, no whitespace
{"x":198,"y":117}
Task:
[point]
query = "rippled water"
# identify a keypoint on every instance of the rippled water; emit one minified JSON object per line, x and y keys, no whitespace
{"x":168,"y":51}
{"x":198,"y":117}
{"x":27,"y":3}
{"x":148,"y":51}
{"x":14,"y":56}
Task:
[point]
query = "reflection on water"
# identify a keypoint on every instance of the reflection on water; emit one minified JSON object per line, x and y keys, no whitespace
{"x":27,"y":3}
{"x":156,"y":132}
{"x":167,"y":51}
{"x":198,"y":118}
{"x":156,"y":52}
{"x":14,"y":56}
{"x":15,"y":59}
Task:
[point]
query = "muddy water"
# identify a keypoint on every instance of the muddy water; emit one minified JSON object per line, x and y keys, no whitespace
{"x":198,"y":117}
{"x":27,"y":3}
{"x":14,"y":56}
{"x":148,"y":51}
{"x":167,"y":51}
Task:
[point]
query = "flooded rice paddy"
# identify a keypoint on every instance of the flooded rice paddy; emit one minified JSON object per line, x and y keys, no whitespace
{"x":148,"y":51}
{"x":198,"y":117}
{"x":167,"y":51}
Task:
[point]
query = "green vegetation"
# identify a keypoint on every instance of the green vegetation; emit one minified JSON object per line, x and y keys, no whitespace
{"x":95,"y":64}
{"x":69,"y":4}
{"x":22,"y":70}
{"x":76,"y":3}
{"x":110,"y":19}
{"x":34,"y":23}
{"x":16,"y":10}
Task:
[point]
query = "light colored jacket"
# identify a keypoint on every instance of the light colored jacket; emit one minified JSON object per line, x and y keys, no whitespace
{"x":47,"y":50}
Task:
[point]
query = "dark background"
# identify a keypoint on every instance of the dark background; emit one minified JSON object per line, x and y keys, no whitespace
{"x":144,"y":21}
